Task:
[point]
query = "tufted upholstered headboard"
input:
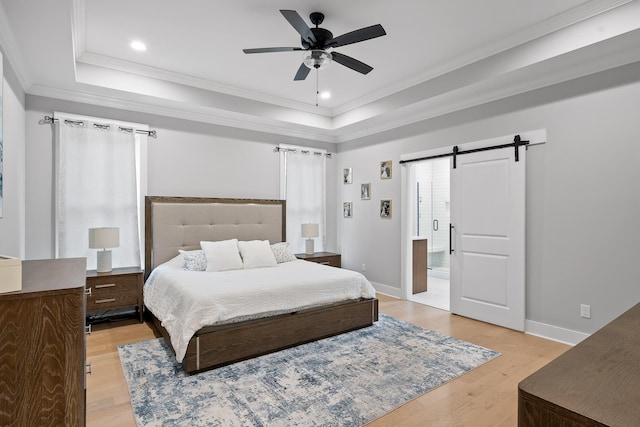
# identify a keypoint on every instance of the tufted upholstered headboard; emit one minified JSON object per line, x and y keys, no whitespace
{"x":173,"y":223}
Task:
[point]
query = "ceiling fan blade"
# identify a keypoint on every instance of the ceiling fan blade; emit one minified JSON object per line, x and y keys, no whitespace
{"x":356,"y":36}
{"x":271,"y":49}
{"x":298,"y":23}
{"x":350,"y":62}
{"x":302,"y":73}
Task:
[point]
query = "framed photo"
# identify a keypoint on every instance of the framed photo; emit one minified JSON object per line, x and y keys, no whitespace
{"x":385,"y":169}
{"x":385,"y":208}
{"x":365,"y":191}
{"x":347,"y":208}
{"x":347,"y":175}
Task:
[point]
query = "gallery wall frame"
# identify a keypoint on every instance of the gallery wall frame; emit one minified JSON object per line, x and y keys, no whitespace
{"x":365,"y":191}
{"x":385,"y":208}
{"x":386,"y":169}
{"x":347,"y":208}
{"x":347,"y":175}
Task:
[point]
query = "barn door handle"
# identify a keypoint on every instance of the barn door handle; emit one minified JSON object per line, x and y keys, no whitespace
{"x":435,"y":225}
{"x":451,"y":227}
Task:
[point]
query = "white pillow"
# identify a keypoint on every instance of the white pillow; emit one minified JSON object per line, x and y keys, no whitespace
{"x":256,"y":254}
{"x":282,"y":252}
{"x":194,"y":260}
{"x":222,"y":255}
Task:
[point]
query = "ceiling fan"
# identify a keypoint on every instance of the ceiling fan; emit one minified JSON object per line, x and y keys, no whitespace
{"x":317,"y":40}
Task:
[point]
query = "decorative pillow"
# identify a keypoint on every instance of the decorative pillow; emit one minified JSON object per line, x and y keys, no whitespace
{"x":222,"y":255}
{"x":256,"y":254}
{"x":194,"y":260}
{"x":282,"y":252}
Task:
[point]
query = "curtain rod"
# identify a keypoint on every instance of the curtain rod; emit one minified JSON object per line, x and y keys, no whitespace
{"x":151,"y":133}
{"x":293,"y":150}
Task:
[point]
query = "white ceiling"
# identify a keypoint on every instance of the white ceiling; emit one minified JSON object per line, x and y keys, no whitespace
{"x":437,"y":56}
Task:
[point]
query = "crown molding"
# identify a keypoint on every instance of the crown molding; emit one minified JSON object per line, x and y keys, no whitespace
{"x":573,"y":65}
{"x":555,"y":23}
{"x":94,"y":59}
{"x":187,"y":112}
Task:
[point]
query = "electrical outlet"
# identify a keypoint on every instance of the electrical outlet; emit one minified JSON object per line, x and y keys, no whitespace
{"x":364,"y":267}
{"x":585,"y":311}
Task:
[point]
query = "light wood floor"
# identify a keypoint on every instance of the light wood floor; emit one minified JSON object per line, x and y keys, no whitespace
{"x":486,"y":396}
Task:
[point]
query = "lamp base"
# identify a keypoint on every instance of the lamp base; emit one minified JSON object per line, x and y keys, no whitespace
{"x":104,"y":261}
{"x":309,"y":248}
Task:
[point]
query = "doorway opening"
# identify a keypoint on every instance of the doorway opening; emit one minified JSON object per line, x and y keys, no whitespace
{"x":431,"y":218}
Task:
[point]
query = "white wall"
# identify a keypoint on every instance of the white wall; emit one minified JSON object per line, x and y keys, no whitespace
{"x":186,"y":159}
{"x":12,"y":223}
{"x":583,"y":194}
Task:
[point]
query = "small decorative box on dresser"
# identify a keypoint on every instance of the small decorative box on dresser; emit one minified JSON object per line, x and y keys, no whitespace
{"x":42,"y":346}
{"x":326,"y":258}
{"x":119,"y":288}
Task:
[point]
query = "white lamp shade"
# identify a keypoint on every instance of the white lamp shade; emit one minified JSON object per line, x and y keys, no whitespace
{"x":310,"y":230}
{"x":104,"y":237}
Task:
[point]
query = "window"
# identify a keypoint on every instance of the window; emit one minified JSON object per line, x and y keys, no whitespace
{"x":98,"y":184}
{"x":303,"y":186}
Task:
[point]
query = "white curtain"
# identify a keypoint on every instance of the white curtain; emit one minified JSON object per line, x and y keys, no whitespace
{"x":97,"y":186}
{"x":303,"y":186}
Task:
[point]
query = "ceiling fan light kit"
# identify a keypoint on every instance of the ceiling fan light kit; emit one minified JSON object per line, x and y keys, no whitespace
{"x":315,"y":42}
{"x":318,"y":59}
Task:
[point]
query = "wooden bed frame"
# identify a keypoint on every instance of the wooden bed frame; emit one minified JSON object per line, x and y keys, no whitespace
{"x":173,"y":223}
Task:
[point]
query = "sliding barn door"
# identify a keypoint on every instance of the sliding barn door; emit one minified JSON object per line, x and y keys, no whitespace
{"x":488,"y":237}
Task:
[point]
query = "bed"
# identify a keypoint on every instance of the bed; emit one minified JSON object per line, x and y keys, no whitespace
{"x":173,"y":224}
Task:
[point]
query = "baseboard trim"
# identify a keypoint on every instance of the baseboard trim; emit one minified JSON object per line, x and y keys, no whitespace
{"x":538,"y":329}
{"x":554,"y":333}
{"x":388,"y":290}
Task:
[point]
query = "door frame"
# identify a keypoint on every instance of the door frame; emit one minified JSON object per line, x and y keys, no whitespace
{"x":408,"y":204}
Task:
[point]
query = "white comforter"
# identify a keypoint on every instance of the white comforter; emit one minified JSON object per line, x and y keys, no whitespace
{"x":185,"y":301}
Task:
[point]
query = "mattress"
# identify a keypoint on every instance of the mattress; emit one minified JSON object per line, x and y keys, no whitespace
{"x":186,"y":301}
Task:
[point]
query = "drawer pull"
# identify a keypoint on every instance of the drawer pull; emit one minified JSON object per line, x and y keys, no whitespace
{"x":88,"y":368}
{"x":105,"y":285}
{"x":88,"y":291}
{"x":325,"y":263}
{"x":87,"y":329}
{"x":102,"y":301}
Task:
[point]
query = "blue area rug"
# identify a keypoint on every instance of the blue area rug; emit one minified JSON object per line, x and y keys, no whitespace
{"x":347,"y":380}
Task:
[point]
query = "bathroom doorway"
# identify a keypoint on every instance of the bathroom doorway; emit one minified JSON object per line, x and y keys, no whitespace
{"x":431,"y":220}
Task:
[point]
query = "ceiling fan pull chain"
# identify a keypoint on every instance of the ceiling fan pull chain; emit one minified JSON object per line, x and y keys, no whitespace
{"x":317,"y":86}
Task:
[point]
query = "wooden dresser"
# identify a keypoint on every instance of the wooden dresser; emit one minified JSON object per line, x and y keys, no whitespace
{"x":42,"y":346}
{"x":596,"y":383}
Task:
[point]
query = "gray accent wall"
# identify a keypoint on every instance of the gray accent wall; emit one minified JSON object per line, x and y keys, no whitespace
{"x":583,"y":197}
{"x":583,"y":194}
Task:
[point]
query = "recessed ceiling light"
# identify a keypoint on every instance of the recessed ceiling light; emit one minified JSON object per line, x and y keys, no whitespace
{"x":325,"y":95}
{"x":138,"y":45}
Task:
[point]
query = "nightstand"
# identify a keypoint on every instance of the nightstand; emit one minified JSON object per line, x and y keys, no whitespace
{"x":325,"y":258}
{"x":119,"y":288}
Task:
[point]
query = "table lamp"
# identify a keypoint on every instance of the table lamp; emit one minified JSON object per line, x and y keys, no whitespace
{"x":103,"y":238}
{"x":309,"y":231}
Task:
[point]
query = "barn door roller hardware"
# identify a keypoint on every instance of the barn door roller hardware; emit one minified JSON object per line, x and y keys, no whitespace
{"x":455,"y":152}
